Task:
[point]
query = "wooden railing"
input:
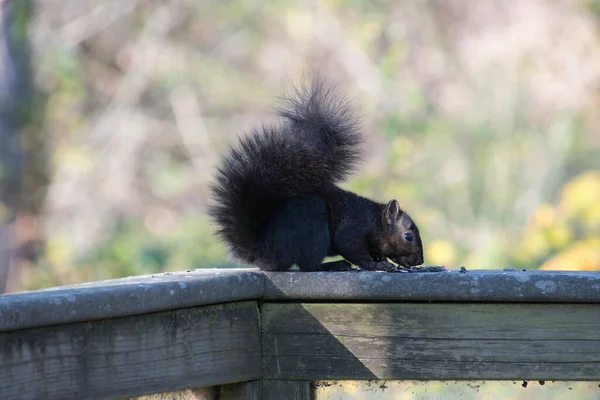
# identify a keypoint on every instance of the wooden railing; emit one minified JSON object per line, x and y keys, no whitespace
{"x":250,"y":335}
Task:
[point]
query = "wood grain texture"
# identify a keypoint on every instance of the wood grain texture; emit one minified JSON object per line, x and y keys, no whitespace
{"x":266,"y":390}
{"x":127,"y":296}
{"x":518,"y":286}
{"x":132,"y":356}
{"x":431,"y":341}
{"x":171,"y":291}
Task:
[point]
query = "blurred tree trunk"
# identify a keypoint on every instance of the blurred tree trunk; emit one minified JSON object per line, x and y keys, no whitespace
{"x":16,"y":96}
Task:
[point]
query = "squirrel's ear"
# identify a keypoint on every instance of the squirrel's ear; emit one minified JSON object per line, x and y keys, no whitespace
{"x":392,"y":211}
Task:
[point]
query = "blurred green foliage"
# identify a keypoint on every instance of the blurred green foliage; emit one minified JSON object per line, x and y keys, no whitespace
{"x":131,"y":250}
{"x":490,"y":142}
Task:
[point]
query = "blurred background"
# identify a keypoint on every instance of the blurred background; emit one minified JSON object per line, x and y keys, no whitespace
{"x":482,"y":119}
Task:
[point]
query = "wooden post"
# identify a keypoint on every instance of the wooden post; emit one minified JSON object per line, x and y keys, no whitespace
{"x":267,"y":390}
{"x":285,"y":390}
{"x":240,"y":391}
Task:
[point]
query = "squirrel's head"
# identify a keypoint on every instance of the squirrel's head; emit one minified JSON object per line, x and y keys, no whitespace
{"x":401,"y":241}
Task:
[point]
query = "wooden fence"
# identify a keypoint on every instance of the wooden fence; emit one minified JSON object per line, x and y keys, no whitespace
{"x":249,"y":335}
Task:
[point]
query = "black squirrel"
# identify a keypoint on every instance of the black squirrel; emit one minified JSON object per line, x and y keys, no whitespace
{"x":276,"y":203}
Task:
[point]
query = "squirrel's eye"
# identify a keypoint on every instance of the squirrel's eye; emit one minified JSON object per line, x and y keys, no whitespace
{"x":408,"y":237}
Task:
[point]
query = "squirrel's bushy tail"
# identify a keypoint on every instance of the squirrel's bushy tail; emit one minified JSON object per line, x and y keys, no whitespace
{"x":316,"y":146}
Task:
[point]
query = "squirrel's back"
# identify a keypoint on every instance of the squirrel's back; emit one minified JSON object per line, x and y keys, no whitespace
{"x":315,"y":146}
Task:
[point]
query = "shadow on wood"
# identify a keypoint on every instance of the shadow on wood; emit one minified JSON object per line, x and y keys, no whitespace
{"x":431,"y":341}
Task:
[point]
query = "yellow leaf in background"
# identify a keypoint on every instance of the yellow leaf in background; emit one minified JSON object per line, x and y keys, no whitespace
{"x":558,"y":236}
{"x":581,"y":193}
{"x":544,"y":216}
{"x":581,"y":256}
{"x":441,"y":252}
{"x":371,"y":31}
{"x":533,"y":245}
{"x":591,"y":216}
{"x":77,"y":157}
{"x":59,"y":251}
{"x":402,"y":146}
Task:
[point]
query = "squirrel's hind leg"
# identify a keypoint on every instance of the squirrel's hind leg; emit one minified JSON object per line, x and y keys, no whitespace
{"x":272,"y":266}
{"x":340,"y":265}
{"x":299,"y":234}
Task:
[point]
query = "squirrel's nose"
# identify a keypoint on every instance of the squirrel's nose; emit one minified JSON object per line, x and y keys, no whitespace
{"x":415,"y":259}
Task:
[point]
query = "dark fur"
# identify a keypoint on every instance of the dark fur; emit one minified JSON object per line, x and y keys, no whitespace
{"x":276,"y":202}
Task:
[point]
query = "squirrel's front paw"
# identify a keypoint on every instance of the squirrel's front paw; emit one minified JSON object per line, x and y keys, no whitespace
{"x":386,"y":266}
{"x":379,"y":266}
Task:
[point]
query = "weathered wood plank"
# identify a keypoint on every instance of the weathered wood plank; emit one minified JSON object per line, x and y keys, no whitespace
{"x":132,"y":356}
{"x":127,"y":296}
{"x":285,"y":390}
{"x":431,"y":341}
{"x":477,"y":285}
{"x":267,"y":390}
{"x":162,"y":292}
